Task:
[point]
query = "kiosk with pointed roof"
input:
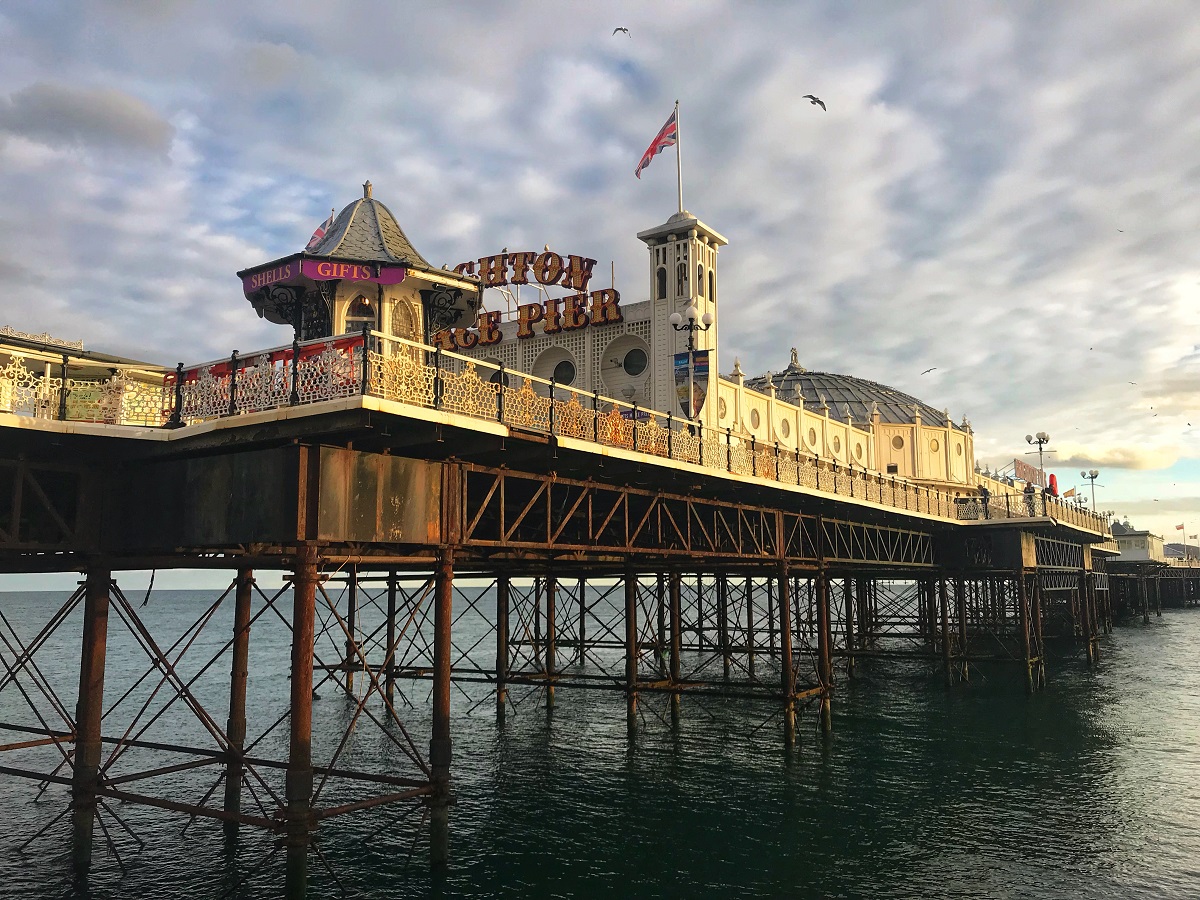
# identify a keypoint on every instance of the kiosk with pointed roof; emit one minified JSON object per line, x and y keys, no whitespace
{"x":364,"y":272}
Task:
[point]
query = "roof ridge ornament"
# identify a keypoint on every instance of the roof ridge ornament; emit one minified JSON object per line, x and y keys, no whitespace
{"x":367,"y":189}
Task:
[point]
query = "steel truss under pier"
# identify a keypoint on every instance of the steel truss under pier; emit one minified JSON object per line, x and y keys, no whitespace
{"x":417,"y":584}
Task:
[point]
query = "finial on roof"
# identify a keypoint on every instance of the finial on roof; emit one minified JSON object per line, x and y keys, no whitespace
{"x":737,"y":367}
{"x":795,"y":357}
{"x":366,"y":190}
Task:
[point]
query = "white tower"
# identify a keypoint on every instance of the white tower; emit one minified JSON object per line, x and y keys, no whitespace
{"x":683,"y":273}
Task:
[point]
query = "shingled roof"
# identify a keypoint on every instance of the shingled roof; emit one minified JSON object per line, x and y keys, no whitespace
{"x":366,"y":230}
{"x":842,"y":391}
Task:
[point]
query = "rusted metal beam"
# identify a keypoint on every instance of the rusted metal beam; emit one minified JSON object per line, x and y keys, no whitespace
{"x":89,"y":711}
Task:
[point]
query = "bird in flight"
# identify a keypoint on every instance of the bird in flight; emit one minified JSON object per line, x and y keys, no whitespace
{"x":1133,"y":382}
{"x":927,"y":371}
{"x":626,"y":30}
{"x":815,"y":101}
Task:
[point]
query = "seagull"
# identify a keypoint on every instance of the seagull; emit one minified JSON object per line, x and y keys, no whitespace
{"x":626,"y":30}
{"x":1133,"y":382}
{"x":815,"y":101}
{"x":927,"y":371}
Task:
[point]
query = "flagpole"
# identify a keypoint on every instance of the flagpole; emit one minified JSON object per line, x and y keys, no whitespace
{"x":678,"y":156}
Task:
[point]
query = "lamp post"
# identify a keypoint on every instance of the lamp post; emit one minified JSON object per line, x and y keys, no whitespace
{"x":1091,"y":475}
{"x":1041,"y":439}
{"x":691,"y":326}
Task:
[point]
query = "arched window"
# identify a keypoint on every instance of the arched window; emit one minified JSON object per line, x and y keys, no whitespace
{"x":681,"y":273}
{"x":712,"y":287}
{"x":362,"y":313}
{"x":700,"y":279}
{"x":661,"y":292}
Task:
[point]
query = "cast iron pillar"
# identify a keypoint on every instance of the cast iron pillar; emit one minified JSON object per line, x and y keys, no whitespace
{"x":1023,"y":611}
{"x":676,"y":619}
{"x":631,"y":647}
{"x":389,"y":673}
{"x":501,"y":646}
{"x":350,"y":663}
{"x":551,"y":637}
{"x":824,"y":651}
{"x":89,"y":710}
{"x":787,"y":672}
{"x":299,"y":777}
{"x":439,"y":743}
{"x":944,"y":603}
{"x":851,"y":597}
{"x":239,"y":670}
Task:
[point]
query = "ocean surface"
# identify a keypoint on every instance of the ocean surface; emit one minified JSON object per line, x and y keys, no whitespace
{"x":1090,"y":789}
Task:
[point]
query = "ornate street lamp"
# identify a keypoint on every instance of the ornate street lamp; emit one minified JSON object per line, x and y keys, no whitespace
{"x":691,"y":326}
{"x":1091,"y":475}
{"x":1041,"y":439}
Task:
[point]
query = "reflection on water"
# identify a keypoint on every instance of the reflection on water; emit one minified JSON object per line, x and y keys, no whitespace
{"x":1090,"y":789}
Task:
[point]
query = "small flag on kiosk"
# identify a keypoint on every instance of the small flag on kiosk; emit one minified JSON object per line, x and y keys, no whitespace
{"x":666,"y":137}
{"x":1070,"y":493}
{"x":320,"y":232}
{"x":1179,"y":528}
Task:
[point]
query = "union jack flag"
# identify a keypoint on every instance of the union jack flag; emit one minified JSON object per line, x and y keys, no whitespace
{"x":320,"y":232}
{"x":666,"y":137}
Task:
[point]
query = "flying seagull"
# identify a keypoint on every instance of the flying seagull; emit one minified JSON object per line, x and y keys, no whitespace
{"x":927,"y":371}
{"x":626,"y":30}
{"x":815,"y":101}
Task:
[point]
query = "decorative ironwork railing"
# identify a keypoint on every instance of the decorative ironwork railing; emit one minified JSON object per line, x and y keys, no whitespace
{"x":415,"y":374}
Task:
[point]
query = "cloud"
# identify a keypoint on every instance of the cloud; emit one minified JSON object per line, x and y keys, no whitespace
{"x":1119,"y":458}
{"x":59,"y":114}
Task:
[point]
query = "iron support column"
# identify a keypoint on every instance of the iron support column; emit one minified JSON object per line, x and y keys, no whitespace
{"x":239,"y":670}
{"x":787,"y":672}
{"x":351,"y":661}
{"x":851,"y":597}
{"x":551,"y":637}
{"x":299,"y":777}
{"x":676,"y":617}
{"x":88,"y":713}
{"x":389,"y":673}
{"x":439,"y":743}
{"x":631,"y":648}
{"x":944,"y":603}
{"x":501,"y":646}
{"x":960,"y":596}
{"x":582,"y":618}
{"x":823,"y":649}
{"x":1023,"y":604}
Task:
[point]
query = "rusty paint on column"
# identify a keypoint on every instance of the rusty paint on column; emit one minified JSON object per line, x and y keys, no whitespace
{"x":88,"y":713}
{"x":439,"y":743}
{"x":299,"y":777}
{"x":239,"y":670}
{"x":1023,"y":604}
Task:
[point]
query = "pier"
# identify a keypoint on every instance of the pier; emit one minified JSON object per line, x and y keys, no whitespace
{"x":606,"y":552}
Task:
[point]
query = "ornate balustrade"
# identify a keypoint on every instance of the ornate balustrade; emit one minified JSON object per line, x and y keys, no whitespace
{"x":415,"y":374}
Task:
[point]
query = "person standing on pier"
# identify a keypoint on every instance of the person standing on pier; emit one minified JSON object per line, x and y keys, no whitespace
{"x":984,"y":496}
{"x":1030,"y":494}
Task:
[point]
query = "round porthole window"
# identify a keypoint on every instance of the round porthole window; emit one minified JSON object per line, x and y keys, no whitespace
{"x":837,"y":445}
{"x":958,"y":447}
{"x":754,"y":418}
{"x":858,"y":450}
{"x":812,"y":437}
{"x":785,"y":428}
{"x":898,"y":442}
{"x":634,"y":362}
{"x":934,"y":445}
{"x":564,"y":372}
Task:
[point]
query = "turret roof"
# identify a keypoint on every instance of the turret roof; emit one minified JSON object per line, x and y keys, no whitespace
{"x":366,"y":230}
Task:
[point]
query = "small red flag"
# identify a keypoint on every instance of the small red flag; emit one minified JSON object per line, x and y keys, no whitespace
{"x":666,"y":137}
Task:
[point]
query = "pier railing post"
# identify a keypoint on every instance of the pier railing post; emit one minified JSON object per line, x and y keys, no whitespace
{"x":299,"y":777}
{"x":239,"y":670}
{"x":176,"y":420}
{"x":233,"y":369}
{"x":88,"y":713}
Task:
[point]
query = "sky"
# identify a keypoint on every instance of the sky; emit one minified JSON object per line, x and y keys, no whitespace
{"x":1003,"y":192}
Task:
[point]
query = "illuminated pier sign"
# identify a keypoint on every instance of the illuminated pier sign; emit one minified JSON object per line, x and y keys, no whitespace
{"x":551,"y":316}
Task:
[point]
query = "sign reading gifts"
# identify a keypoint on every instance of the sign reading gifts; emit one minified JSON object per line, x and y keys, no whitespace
{"x":550,"y":316}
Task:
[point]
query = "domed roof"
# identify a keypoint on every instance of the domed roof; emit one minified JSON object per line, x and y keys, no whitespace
{"x":366,"y":230}
{"x":815,"y":390}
